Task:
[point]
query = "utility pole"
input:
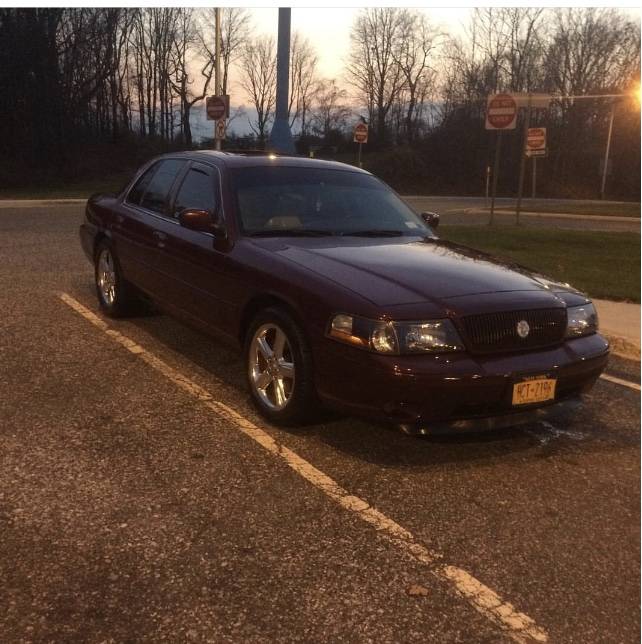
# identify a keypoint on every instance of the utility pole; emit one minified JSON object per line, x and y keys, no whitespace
{"x":280,"y":136}
{"x":607,"y":151}
{"x":217,"y":68}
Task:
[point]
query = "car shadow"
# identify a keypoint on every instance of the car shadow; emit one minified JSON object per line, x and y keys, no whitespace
{"x":385,"y":445}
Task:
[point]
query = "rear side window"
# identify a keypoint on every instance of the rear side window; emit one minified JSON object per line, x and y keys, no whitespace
{"x":137,"y":192}
{"x":196,"y":192}
{"x":155,"y":196}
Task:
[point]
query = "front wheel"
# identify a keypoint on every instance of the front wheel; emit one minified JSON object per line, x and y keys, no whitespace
{"x":279,"y":368}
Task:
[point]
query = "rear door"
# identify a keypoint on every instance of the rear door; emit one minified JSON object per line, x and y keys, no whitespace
{"x":135,"y":225}
{"x":195,"y":272}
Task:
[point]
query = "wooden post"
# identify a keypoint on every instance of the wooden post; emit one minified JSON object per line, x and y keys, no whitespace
{"x":498,"y":150}
{"x":522,"y":164}
{"x":534,"y":177}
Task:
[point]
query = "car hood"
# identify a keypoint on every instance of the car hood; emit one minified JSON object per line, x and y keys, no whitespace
{"x":400,"y":271}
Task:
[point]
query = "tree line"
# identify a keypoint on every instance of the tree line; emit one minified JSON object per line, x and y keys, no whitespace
{"x":74,"y":78}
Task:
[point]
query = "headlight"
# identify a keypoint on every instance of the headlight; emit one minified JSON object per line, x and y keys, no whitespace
{"x":429,"y":336}
{"x":582,"y":320}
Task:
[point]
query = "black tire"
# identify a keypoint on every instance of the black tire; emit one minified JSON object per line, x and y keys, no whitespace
{"x":124,"y":301}
{"x":303,"y":403}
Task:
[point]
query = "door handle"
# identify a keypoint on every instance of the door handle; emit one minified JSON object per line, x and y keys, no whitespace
{"x":160,"y":238}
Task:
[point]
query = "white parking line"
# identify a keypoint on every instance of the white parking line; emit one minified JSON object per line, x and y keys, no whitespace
{"x":518,"y":626}
{"x":619,"y":381}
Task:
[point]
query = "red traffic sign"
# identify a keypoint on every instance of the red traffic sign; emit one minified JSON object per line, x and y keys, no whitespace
{"x":217,"y":107}
{"x":536,"y":138}
{"x":501,"y":112}
{"x":360,"y":133}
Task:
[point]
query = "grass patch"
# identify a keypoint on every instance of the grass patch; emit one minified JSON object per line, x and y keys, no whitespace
{"x":578,"y":207}
{"x":603,"y":264}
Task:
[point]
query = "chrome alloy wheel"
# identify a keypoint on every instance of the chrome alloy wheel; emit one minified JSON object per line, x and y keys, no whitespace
{"x":106,"y":276}
{"x":271,"y":366}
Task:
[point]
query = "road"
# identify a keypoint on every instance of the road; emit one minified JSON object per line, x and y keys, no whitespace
{"x":551,"y":213}
{"x":141,"y":499}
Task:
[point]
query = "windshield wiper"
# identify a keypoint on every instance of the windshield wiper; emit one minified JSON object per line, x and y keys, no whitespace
{"x":290,"y":232}
{"x":374,"y":232}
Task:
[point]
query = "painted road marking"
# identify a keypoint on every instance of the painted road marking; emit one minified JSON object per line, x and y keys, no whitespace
{"x":518,"y":626}
{"x":619,"y":381}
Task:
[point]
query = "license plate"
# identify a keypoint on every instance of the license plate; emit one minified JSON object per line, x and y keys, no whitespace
{"x":533,"y":391}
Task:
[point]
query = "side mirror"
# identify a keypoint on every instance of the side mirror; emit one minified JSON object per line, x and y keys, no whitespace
{"x":431,"y":218}
{"x":203,"y":220}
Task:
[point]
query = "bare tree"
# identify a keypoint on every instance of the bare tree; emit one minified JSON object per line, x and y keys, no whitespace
{"x":592,"y":50}
{"x":258,"y":67}
{"x":416,"y":41}
{"x":522,"y":63}
{"x":188,"y":48}
{"x":331,"y":112}
{"x":371,"y":65}
{"x":303,"y":62}
{"x":235,"y":32}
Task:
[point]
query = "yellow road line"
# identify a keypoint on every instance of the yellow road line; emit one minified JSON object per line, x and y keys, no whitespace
{"x":517,"y":625}
{"x":619,"y":381}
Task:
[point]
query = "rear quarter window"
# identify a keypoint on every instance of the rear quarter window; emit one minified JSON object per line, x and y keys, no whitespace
{"x":158,"y":189}
{"x":136,"y":193}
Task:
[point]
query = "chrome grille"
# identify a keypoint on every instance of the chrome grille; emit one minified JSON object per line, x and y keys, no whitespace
{"x":497,"y":332}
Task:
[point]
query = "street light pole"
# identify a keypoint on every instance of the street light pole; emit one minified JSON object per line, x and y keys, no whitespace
{"x":280,"y":136}
{"x":607,"y":151}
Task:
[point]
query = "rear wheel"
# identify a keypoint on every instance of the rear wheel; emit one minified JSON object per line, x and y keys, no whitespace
{"x":115,"y":296}
{"x":279,"y":368}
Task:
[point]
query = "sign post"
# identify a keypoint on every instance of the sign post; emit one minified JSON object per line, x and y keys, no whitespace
{"x":535,"y":147}
{"x":218,"y":109}
{"x":220,"y":129}
{"x":360,"y":136}
{"x":534,"y":178}
{"x":522,"y":161}
{"x":501,"y":114}
{"x":487,"y":186}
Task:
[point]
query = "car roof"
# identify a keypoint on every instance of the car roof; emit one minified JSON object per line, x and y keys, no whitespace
{"x":239,"y":160}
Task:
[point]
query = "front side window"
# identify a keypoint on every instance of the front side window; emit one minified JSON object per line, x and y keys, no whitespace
{"x":155,"y":197}
{"x":196,"y":192}
{"x":319,"y":201}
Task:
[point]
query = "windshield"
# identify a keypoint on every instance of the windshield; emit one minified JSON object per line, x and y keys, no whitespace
{"x":316,"y":202}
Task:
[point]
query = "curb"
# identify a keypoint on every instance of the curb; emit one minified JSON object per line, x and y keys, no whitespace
{"x":558,"y":215}
{"x":623,"y":347}
{"x":38,"y":203}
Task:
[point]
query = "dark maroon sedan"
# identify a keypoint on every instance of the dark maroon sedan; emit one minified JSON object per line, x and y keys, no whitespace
{"x":340,"y":294}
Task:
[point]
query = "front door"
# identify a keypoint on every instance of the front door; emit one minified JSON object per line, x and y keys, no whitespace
{"x":195,"y":272}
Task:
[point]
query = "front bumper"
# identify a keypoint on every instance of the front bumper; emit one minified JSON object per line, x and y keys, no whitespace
{"x":454,"y":390}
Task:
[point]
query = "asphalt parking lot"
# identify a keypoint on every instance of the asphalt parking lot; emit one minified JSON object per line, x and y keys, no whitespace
{"x":141,"y":499}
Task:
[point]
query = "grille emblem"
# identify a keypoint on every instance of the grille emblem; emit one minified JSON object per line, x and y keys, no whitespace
{"x":523,"y":329}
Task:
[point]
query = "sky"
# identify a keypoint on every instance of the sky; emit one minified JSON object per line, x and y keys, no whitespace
{"x":328,"y":30}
